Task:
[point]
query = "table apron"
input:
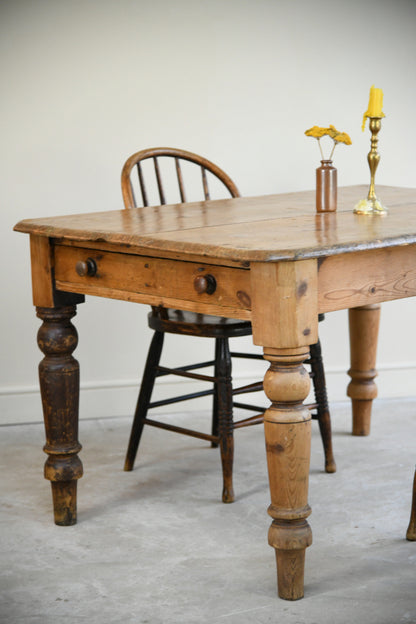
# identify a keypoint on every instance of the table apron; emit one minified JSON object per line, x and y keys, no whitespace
{"x":360,"y":278}
{"x":344,"y":281}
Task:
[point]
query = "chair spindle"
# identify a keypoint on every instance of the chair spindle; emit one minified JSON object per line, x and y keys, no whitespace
{"x":180,"y":180}
{"x":159,"y":181}
{"x":142,"y":185}
{"x":205,"y":183}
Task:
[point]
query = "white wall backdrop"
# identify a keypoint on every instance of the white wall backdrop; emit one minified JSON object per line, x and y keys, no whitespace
{"x":85,"y":83}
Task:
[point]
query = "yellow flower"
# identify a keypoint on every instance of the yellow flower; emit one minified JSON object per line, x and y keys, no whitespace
{"x":338,"y":137}
{"x":316,"y":132}
{"x":332,"y":132}
{"x":342,"y":137}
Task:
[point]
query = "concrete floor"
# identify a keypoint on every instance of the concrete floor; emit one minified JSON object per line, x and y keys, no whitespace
{"x":157,"y":546}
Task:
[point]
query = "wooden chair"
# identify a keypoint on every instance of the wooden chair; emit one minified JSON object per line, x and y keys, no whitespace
{"x":167,"y":321}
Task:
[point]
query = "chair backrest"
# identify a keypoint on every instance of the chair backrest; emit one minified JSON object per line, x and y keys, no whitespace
{"x":156,"y":155}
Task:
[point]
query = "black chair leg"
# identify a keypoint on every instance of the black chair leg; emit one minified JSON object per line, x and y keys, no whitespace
{"x":214,"y":427}
{"x":225,"y":416}
{"x":145,"y":395}
{"x":321,"y":398}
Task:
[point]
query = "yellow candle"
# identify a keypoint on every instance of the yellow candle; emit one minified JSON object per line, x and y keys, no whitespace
{"x":375,"y":105}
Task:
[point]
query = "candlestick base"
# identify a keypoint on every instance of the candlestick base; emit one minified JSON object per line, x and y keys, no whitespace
{"x":370,"y":206}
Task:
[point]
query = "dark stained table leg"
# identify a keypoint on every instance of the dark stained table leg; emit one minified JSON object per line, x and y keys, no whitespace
{"x":411,"y":530}
{"x":59,"y":384}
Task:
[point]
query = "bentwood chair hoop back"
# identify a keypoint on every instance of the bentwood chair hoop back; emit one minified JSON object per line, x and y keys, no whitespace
{"x":168,"y":321}
{"x":177,"y":154}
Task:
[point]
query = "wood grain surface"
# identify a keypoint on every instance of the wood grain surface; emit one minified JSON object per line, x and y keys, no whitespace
{"x":265,"y":229}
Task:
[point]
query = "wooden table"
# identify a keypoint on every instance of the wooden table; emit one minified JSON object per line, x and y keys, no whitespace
{"x":275,"y":262}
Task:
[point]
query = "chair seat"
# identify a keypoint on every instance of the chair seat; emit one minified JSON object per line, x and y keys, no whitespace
{"x":194,"y":324}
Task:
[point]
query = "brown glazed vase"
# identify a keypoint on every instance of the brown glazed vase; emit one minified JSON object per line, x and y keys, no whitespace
{"x":326,"y":187}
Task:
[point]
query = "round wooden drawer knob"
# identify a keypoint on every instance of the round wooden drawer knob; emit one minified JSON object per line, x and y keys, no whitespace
{"x":205,"y":284}
{"x":86,"y":267}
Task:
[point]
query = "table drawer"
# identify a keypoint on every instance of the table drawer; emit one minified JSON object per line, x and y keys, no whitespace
{"x":92,"y":271}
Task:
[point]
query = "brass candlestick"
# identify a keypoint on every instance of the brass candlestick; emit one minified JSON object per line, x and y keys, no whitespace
{"x":372,"y":205}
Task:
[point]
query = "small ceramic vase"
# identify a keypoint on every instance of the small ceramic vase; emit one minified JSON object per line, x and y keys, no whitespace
{"x":326,"y":187}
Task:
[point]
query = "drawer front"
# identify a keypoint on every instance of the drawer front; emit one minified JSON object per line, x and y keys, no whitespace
{"x":98,"y":272}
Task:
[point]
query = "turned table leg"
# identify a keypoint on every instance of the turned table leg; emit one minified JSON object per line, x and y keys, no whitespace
{"x":287,"y":429}
{"x":363,"y":323}
{"x":411,"y":530}
{"x":59,"y":384}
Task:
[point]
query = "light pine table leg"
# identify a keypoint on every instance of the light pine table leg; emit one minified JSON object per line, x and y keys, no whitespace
{"x":287,"y":429}
{"x":59,"y":384}
{"x":364,"y":325}
{"x":285,"y":325}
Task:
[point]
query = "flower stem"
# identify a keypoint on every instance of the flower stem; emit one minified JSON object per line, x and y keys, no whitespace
{"x":333,"y":150}
{"x":320,"y":147}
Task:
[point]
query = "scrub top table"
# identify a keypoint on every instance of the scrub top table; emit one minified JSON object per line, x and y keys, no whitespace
{"x":276,"y":263}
